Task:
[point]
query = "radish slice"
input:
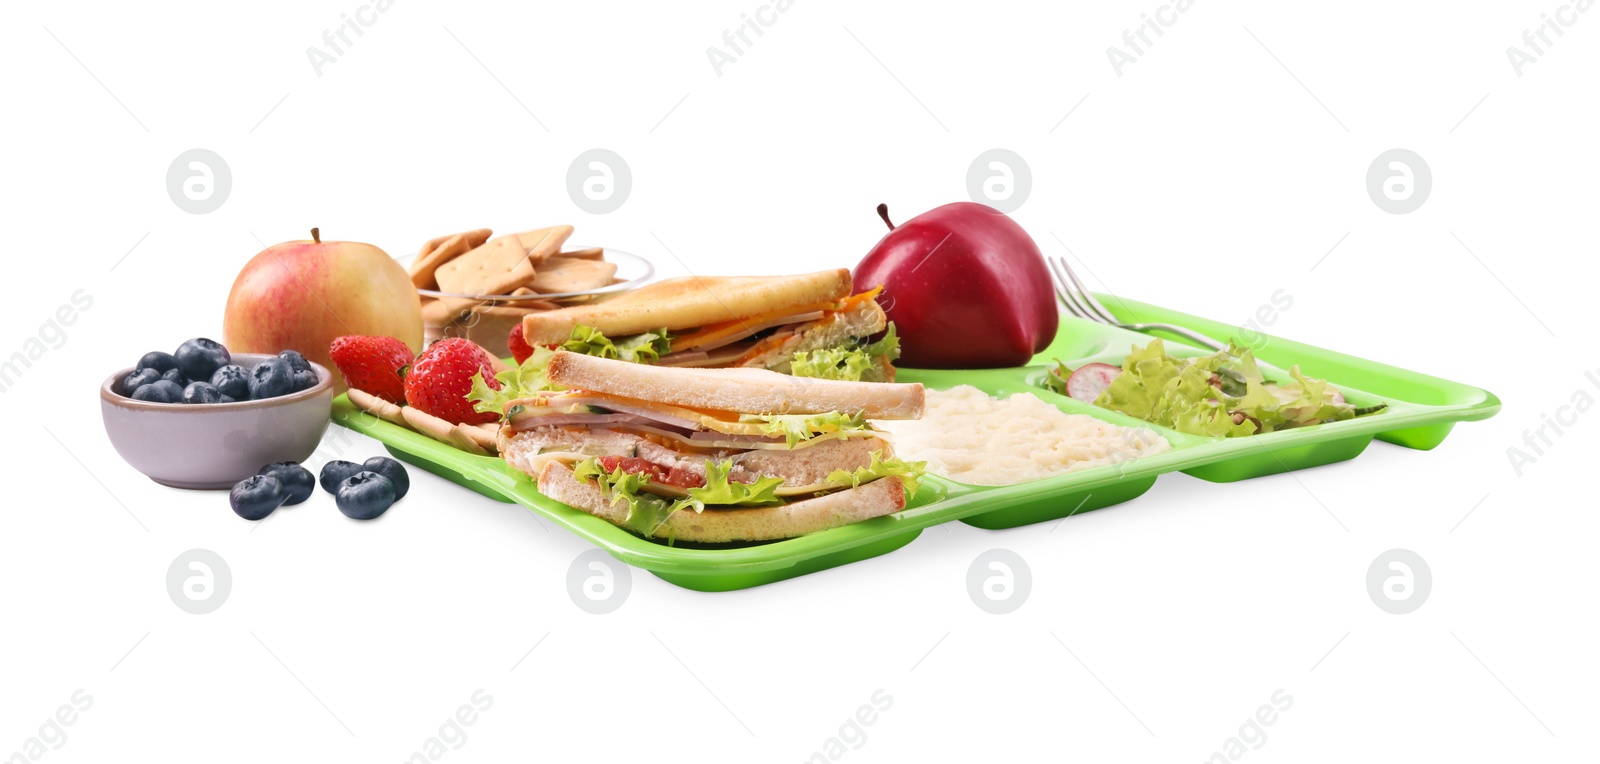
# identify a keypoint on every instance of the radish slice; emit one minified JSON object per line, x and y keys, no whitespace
{"x":1090,"y":380}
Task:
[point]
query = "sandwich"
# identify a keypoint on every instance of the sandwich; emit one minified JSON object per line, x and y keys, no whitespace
{"x":709,"y":455}
{"x":806,"y":325}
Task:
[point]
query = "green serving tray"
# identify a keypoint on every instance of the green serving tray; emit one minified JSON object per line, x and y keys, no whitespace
{"x":1422,"y":410}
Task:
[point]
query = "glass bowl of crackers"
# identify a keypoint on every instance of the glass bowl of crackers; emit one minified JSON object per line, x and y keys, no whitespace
{"x":477,"y":285}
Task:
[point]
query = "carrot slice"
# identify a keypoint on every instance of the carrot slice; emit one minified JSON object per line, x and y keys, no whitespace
{"x":727,"y":329}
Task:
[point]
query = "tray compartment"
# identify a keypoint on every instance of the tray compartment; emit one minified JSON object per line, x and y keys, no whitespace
{"x":1274,"y":453}
{"x":1057,"y":496}
{"x":1449,"y":402}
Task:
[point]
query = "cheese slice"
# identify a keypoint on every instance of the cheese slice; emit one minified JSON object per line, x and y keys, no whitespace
{"x":739,"y":329}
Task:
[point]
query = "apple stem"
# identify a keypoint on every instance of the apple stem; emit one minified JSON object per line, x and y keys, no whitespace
{"x":883,"y":212}
{"x":316,"y":235}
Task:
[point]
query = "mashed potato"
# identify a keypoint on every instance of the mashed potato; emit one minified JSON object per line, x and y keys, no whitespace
{"x":969,"y":437}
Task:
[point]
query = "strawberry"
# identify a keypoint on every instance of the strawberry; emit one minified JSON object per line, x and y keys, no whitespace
{"x":520,"y":349}
{"x":372,"y":364}
{"x":441,"y":377}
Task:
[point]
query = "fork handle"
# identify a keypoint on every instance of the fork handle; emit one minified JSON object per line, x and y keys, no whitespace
{"x":1192,"y":337}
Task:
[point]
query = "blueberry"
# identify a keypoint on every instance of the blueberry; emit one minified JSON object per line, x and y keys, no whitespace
{"x":159,"y":391}
{"x":270,"y":379}
{"x":334,"y":473}
{"x":256,"y":496}
{"x":296,"y":480}
{"x":175,"y":376}
{"x":225,"y":399}
{"x":233,"y":381}
{"x":296,"y":361}
{"x":201,"y":392}
{"x":391,"y":469}
{"x":155,"y":359}
{"x":139,"y":378}
{"x":304,"y":380}
{"x":199,"y":358}
{"x":364,"y":495}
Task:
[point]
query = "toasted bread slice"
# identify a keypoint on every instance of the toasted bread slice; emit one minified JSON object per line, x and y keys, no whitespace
{"x":875,"y":499}
{"x":744,"y":391}
{"x":689,"y":302}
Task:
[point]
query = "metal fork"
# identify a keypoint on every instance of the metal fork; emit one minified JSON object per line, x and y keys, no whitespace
{"x":1079,"y":302}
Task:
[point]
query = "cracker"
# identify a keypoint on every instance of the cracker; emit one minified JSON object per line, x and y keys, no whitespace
{"x":541,"y":243}
{"x":483,"y":439}
{"x":592,"y":253}
{"x":476,"y":236}
{"x":461,"y":437}
{"x":560,"y":275}
{"x":442,"y":431}
{"x":441,"y":250}
{"x":497,"y":267}
{"x":428,"y":424}
{"x":377,"y":407}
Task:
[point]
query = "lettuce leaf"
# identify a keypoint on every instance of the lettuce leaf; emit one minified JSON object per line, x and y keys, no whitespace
{"x":832,"y":363}
{"x":1055,"y":378}
{"x":1222,"y":395}
{"x":646,"y":512}
{"x":910,"y":473}
{"x":888,"y":346}
{"x":520,"y":382}
{"x":639,"y":348}
{"x":851,"y":364}
{"x":718,"y":490}
{"x":798,"y":427}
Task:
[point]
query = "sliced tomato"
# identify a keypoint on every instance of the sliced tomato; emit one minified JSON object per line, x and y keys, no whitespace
{"x":658,"y":473}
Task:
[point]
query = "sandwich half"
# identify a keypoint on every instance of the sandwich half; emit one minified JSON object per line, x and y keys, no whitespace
{"x":808,"y":325}
{"x":711,"y":455}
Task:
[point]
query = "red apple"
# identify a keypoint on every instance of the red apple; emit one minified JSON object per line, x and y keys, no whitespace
{"x":299,"y":295}
{"x":965,"y":286}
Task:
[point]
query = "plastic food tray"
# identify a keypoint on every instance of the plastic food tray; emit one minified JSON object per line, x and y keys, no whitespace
{"x":1422,"y":410}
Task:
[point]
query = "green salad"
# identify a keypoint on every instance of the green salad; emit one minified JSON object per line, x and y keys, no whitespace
{"x":1220,"y":395}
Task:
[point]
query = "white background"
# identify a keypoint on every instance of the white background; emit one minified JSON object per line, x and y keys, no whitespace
{"x":1206,"y":177}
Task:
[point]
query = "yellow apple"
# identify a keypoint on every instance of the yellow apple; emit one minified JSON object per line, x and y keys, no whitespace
{"x":299,"y":295}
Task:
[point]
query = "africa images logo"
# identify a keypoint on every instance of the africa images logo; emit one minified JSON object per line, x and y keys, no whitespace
{"x":736,"y":40}
{"x":1537,"y":40}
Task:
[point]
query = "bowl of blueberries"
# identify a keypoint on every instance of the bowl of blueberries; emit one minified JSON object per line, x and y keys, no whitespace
{"x":201,"y":417}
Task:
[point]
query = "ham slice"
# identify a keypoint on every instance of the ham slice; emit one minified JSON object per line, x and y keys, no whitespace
{"x":722,"y":356}
{"x":621,"y":407}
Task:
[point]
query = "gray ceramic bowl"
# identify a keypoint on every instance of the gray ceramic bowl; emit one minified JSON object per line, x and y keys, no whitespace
{"x":216,"y":445}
